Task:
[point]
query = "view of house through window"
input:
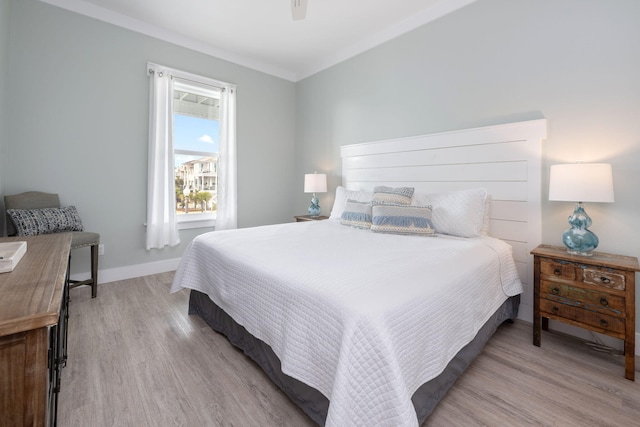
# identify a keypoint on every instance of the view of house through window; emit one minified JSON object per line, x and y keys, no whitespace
{"x":196,"y":135}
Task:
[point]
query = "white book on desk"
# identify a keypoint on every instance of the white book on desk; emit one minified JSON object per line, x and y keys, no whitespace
{"x":10,"y":255}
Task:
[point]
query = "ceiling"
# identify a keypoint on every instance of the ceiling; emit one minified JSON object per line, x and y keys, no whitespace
{"x":262,"y":35}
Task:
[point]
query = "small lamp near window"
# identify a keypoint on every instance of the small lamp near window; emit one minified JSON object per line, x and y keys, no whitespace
{"x":581,"y":182}
{"x":315,"y":183}
{"x":186,"y":193}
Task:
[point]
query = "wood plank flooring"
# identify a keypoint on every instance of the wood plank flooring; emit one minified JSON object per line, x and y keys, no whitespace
{"x":136,"y":358}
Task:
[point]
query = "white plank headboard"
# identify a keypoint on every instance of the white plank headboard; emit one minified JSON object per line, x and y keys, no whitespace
{"x":504,"y":159}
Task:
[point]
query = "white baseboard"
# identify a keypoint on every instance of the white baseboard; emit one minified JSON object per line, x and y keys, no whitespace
{"x":525,"y":313}
{"x":131,"y":271}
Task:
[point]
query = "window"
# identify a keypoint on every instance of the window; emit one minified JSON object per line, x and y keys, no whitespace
{"x":196,"y":136}
{"x":192,"y":155}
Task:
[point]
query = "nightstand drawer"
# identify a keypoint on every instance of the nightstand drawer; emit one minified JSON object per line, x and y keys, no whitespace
{"x":561,"y":270}
{"x":576,"y":272}
{"x":602,"y":302}
{"x":598,"y":321}
{"x":604,"y":278}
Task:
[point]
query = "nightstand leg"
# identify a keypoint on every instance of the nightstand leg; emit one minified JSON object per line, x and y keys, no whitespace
{"x":629,"y":360}
{"x":630,"y":329}
{"x":545,"y":323}
{"x":536,"y":303}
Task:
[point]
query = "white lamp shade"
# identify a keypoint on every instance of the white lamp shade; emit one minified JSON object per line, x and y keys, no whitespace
{"x":315,"y":183}
{"x":581,"y":182}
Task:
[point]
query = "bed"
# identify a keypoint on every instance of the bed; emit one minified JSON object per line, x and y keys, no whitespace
{"x":372,"y":328}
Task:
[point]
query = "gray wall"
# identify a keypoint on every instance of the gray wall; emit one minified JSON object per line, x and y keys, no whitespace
{"x":78,"y":96}
{"x":574,"y":62}
{"x":5,"y":21}
{"x":74,"y":97}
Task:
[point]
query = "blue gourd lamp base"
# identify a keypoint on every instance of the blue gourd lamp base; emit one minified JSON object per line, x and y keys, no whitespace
{"x":314,"y":209}
{"x":578,"y":239}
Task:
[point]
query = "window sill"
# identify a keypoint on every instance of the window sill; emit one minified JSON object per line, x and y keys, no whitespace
{"x":189,"y":221}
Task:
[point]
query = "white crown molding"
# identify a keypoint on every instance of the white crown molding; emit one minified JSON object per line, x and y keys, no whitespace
{"x":84,"y":8}
{"x":438,"y":10}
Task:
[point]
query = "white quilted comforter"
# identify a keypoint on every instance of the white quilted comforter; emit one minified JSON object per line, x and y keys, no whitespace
{"x":364,"y":318}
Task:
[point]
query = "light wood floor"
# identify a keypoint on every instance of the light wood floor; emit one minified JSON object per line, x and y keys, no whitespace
{"x":136,"y":358}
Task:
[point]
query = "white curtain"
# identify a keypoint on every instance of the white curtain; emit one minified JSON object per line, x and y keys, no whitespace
{"x":162,"y":229}
{"x":227,"y":170}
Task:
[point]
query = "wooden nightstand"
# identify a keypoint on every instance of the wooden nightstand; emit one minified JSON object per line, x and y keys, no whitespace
{"x":595,"y":293}
{"x":301,"y":218}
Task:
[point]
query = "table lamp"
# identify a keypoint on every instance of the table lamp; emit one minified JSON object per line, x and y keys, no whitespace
{"x":315,"y":183}
{"x":581,"y":182}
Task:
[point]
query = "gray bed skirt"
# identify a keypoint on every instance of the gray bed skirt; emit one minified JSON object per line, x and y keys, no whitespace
{"x":310,"y":400}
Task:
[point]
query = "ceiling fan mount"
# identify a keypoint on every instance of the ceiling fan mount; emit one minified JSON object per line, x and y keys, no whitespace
{"x":298,"y":9}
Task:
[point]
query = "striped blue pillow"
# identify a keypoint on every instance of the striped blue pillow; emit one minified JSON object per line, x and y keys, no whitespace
{"x":356,"y":214}
{"x":392,"y":196}
{"x":411,"y":220}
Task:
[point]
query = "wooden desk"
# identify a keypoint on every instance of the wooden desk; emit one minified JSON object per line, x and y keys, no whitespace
{"x":32,"y":297}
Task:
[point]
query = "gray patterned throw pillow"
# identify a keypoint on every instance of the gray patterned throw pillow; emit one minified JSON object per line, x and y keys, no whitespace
{"x":29,"y":222}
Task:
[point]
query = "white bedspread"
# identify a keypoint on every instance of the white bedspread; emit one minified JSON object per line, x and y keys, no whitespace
{"x":364,"y":318}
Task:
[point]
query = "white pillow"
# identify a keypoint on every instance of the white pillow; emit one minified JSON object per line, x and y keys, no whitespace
{"x":342,"y":195}
{"x":457,"y":213}
{"x":484,"y":230}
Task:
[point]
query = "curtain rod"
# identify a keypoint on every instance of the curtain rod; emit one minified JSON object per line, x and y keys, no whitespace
{"x":160,"y":74}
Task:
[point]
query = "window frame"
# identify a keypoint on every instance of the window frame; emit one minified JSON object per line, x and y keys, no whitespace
{"x":182,"y":79}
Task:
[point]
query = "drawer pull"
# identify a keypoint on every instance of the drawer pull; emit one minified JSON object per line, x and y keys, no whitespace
{"x":603,"y":301}
{"x":603,"y":322}
{"x":557,"y":272}
{"x":555,"y":291}
{"x":555,"y":308}
{"x":605,"y":280}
